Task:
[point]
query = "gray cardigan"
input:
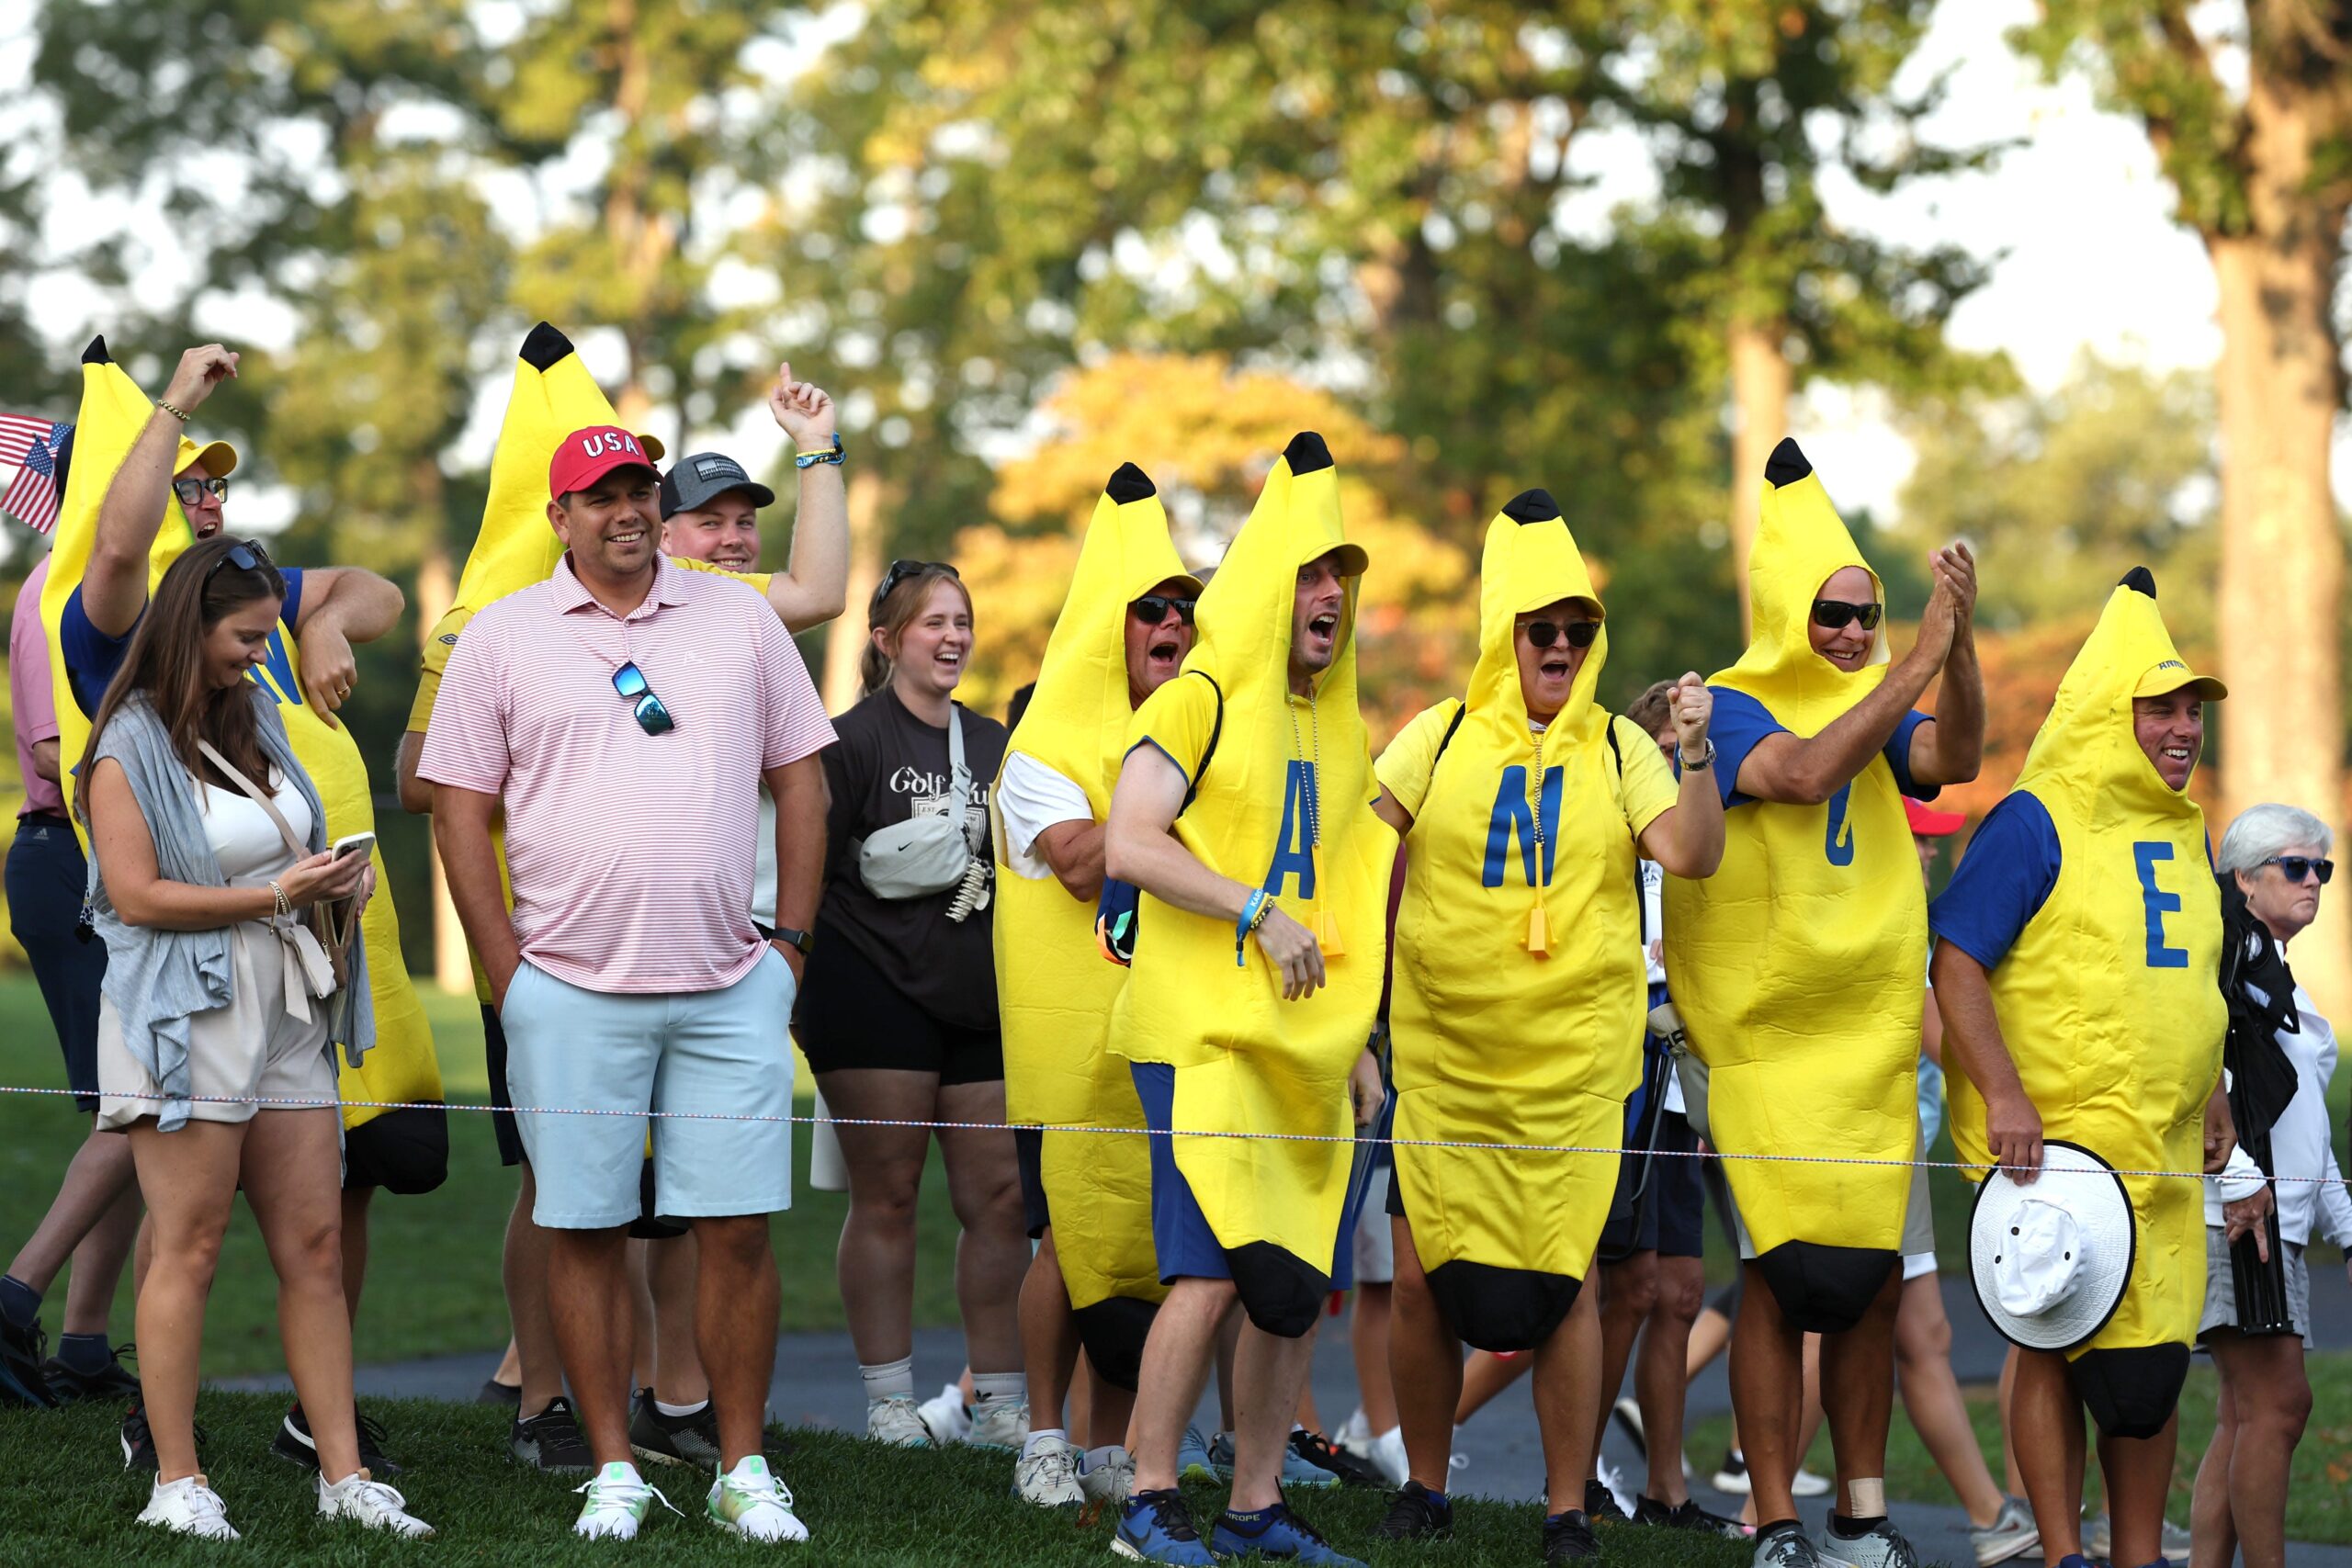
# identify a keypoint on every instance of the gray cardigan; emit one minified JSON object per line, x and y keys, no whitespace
{"x":157,"y":979}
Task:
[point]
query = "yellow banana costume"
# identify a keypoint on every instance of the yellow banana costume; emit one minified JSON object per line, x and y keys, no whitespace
{"x":1516,"y":1016}
{"x":2109,"y":999}
{"x":1799,"y":966}
{"x":1054,"y":990}
{"x":1245,"y":1061}
{"x":402,"y":1065}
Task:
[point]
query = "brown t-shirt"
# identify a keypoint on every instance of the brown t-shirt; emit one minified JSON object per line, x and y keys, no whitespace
{"x":888,"y":767}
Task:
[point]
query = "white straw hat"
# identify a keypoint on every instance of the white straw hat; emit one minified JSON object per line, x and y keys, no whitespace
{"x":2051,"y":1260}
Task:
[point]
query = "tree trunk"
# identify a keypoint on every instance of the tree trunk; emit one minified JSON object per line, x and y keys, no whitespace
{"x":1760,"y":385}
{"x":437,"y":590}
{"x":845,"y":638}
{"x":2282,"y":546}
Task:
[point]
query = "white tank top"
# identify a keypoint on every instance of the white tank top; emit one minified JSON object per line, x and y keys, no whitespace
{"x":244,"y":841}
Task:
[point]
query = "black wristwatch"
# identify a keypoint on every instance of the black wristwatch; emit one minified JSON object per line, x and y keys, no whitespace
{"x":804,"y":941}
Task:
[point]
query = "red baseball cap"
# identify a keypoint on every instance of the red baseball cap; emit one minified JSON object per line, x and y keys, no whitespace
{"x":586,"y":455}
{"x":1929,"y":823}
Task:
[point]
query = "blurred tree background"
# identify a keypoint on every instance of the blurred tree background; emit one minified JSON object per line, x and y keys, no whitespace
{"x":1023,"y":241}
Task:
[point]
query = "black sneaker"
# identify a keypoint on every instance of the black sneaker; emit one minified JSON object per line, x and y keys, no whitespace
{"x":1317,"y":1451}
{"x":139,"y":1444}
{"x":1568,"y":1538}
{"x":1600,"y":1506}
{"x":294,"y":1444}
{"x":22,"y":1351}
{"x":495,"y":1393}
{"x":674,"y":1439}
{"x":1415,"y":1513}
{"x":113,"y":1381}
{"x":551,"y":1440}
{"x":1687,"y":1515}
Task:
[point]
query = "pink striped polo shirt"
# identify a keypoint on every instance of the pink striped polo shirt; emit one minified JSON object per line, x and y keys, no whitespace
{"x":631,"y":853}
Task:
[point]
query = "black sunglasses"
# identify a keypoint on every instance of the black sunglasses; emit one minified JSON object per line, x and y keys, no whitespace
{"x":1832,"y":615}
{"x":644,"y":706}
{"x":2297,"y":867}
{"x":901,"y":570}
{"x":1580,"y":634}
{"x":191,"y":491}
{"x":245,"y":556}
{"x":1152,"y":608}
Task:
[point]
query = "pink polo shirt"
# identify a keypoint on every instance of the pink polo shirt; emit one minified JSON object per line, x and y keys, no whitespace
{"x":631,"y":853}
{"x":32,"y":697}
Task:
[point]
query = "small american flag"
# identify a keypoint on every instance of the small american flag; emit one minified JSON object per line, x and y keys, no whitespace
{"x":33,"y":444}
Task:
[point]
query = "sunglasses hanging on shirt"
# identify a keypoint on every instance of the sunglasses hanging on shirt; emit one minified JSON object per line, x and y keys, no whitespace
{"x":648,"y":711}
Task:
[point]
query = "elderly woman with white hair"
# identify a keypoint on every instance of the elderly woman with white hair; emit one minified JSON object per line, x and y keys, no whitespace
{"x":2276,"y":856}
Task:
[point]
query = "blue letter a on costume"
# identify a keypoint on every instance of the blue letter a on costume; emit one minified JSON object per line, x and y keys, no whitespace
{"x":1838,"y":842}
{"x":1293,"y":853}
{"x":1512,"y":821}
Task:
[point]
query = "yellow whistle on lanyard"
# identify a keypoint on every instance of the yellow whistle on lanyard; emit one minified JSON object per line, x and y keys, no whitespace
{"x":1326,"y":925}
{"x":1539,"y":930}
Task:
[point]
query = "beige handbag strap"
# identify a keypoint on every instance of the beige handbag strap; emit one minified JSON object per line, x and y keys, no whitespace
{"x":229,"y":771}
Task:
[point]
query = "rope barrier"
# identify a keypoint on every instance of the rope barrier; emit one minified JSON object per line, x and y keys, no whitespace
{"x":293,"y":1103}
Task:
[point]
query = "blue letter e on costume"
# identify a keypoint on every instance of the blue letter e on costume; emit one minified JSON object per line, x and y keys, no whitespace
{"x":1294,"y":854}
{"x":2146,"y":853}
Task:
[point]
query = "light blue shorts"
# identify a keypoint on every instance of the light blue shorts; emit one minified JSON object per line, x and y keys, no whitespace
{"x":702,"y":1053}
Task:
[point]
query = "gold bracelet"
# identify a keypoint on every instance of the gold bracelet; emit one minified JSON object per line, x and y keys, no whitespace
{"x":285,"y":906}
{"x":173,"y":410}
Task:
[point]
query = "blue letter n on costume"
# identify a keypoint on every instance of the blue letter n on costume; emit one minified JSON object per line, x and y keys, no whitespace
{"x":1513,"y":821}
{"x":2158,"y":904}
{"x":1294,"y":852}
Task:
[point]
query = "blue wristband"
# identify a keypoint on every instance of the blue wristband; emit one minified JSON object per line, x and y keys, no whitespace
{"x":1247,"y":923}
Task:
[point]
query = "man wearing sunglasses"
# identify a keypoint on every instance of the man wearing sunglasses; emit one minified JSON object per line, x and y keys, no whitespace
{"x":1795,"y":970}
{"x":329,"y":608}
{"x":624,"y":713}
{"x":1123,"y":634}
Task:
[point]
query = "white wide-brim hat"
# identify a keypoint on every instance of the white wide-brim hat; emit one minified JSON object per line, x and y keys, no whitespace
{"x":2051,"y":1260}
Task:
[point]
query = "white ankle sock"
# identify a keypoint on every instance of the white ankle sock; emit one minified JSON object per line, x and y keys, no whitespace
{"x":674,"y":1411}
{"x":996,"y":1388}
{"x":889,"y":1379}
{"x":1029,"y":1444}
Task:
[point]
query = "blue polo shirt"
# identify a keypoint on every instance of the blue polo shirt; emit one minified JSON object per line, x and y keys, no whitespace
{"x":1741,"y":722}
{"x":92,"y":656}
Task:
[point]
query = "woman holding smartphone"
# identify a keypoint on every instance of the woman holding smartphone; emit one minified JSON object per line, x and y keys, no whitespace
{"x":218,"y":1017}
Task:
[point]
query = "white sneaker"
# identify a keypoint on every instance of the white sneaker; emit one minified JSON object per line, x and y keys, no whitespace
{"x":896,"y":1421}
{"x":618,"y":1500}
{"x":368,"y":1501}
{"x":751,"y":1503}
{"x":1882,"y":1546}
{"x":1386,"y":1453}
{"x":188,"y":1506}
{"x":2100,"y":1539}
{"x":2012,"y":1533}
{"x":1808,"y":1484}
{"x":1047,"y":1475}
{"x":945,"y":1417}
{"x":1615,"y":1479}
{"x":1000,"y":1423}
{"x":1354,"y":1435}
{"x":1110,"y":1482}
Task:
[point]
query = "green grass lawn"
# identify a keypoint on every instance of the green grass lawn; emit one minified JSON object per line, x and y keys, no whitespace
{"x":432,"y":1284}
{"x":68,"y":1501}
{"x":2318,"y":1502}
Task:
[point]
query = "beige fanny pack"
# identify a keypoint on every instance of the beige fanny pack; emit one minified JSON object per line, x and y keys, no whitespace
{"x":317,"y":943}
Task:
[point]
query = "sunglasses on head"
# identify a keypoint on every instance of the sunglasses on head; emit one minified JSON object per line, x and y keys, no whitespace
{"x":1152,"y":608}
{"x":245,"y":556}
{"x":644,"y":706}
{"x":1834,"y":615}
{"x":193,"y":492}
{"x":899,"y":570}
{"x":2295,"y":868}
{"x":1544,"y":634}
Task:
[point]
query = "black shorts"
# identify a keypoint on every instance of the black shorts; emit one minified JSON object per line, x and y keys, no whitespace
{"x":852,"y":1015}
{"x":1676,"y":1193}
{"x":502,"y":1123}
{"x":1029,"y":1154}
{"x":46,"y":879}
{"x":405,"y":1151}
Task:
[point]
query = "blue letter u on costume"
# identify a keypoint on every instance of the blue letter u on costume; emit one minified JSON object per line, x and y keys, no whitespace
{"x":1838,"y":842}
{"x":2146,"y":853}
{"x":1293,"y":854}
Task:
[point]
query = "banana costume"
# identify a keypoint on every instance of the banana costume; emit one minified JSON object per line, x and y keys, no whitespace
{"x":1245,"y":1061}
{"x":2109,"y":999}
{"x":1798,"y":966}
{"x":402,"y":1065}
{"x":1516,"y":1016}
{"x":1054,"y":990}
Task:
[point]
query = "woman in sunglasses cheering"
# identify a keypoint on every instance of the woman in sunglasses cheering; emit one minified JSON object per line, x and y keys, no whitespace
{"x":1516,"y":1016}
{"x":901,"y":1021}
{"x":215,"y":1043}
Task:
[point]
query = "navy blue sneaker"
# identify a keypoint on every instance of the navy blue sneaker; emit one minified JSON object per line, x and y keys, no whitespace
{"x":1275,"y":1532}
{"x":1156,"y":1527}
